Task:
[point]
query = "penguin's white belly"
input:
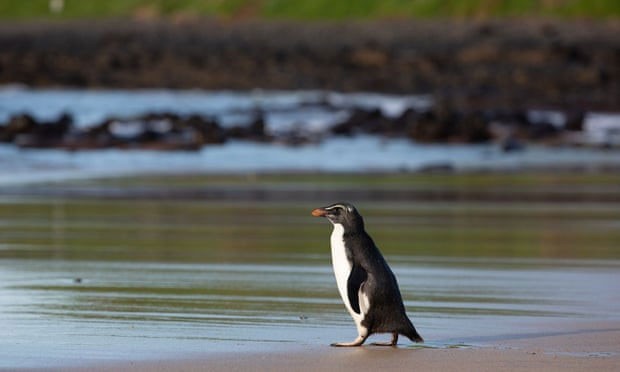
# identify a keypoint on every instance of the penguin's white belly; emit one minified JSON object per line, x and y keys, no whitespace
{"x":342,"y":270}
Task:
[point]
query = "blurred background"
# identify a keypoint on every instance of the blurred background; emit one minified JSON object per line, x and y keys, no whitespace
{"x":159,"y":161}
{"x":255,"y":86}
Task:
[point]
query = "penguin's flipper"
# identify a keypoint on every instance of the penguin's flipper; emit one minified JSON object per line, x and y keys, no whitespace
{"x":356,"y":278}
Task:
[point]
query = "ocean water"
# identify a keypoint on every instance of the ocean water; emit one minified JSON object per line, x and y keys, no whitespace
{"x":93,"y":271}
{"x":304,"y":111}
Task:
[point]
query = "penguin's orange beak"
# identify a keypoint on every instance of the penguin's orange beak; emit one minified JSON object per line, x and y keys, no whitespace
{"x":319,"y":212}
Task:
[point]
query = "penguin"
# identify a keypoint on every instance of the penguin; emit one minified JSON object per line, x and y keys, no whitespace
{"x":365,"y":282}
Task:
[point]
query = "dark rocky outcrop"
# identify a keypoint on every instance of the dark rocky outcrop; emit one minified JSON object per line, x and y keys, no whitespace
{"x":255,"y":131}
{"x":25,"y":131}
{"x":17,"y":125}
{"x":441,"y":123}
{"x":477,"y":65}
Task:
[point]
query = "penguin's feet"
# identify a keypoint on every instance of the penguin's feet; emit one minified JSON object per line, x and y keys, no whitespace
{"x":357,"y":342}
{"x":346,"y":344}
{"x":391,"y":343}
{"x":383,"y":344}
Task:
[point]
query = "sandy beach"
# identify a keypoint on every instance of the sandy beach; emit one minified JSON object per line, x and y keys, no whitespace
{"x":577,"y":347}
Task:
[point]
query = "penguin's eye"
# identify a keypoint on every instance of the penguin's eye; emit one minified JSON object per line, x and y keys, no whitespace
{"x":338,"y":209}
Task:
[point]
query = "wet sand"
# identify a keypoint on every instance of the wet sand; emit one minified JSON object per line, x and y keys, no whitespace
{"x":576,"y":347}
{"x":148,"y":304}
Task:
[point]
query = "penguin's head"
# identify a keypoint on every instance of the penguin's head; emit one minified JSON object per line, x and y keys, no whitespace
{"x":344,"y":214}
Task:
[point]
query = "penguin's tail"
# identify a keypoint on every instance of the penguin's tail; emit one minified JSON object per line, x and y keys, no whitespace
{"x":411,"y":333}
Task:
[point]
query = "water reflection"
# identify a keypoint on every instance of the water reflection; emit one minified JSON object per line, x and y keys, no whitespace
{"x":91,"y":279}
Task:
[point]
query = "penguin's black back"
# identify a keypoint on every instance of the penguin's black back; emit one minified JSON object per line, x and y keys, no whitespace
{"x":387,"y":311}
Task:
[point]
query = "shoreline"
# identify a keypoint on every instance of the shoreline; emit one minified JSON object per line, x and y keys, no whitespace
{"x":248,"y":161}
{"x":582,"y":346}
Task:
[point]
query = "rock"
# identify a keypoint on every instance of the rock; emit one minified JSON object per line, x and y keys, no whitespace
{"x":437,"y":125}
{"x":474,"y":128}
{"x":20,"y":124}
{"x":156,"y":131}
{"x":574,"y":120}
{"x":365,"y":121}
{"x":253,"y":132}
{"x":406,"y":121}
{"x":446,"y":124}
{"x":46,"y":134}
{"x":369,"y":57}
{"x":208,"y":131}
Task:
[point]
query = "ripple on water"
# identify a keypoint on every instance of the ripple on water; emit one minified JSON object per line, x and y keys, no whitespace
{"x":164,"y":279}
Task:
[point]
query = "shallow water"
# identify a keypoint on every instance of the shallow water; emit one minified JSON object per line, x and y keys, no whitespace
{"x":86,"y":280}
{"x":308,"y":112}
{"x":315,"y":110}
